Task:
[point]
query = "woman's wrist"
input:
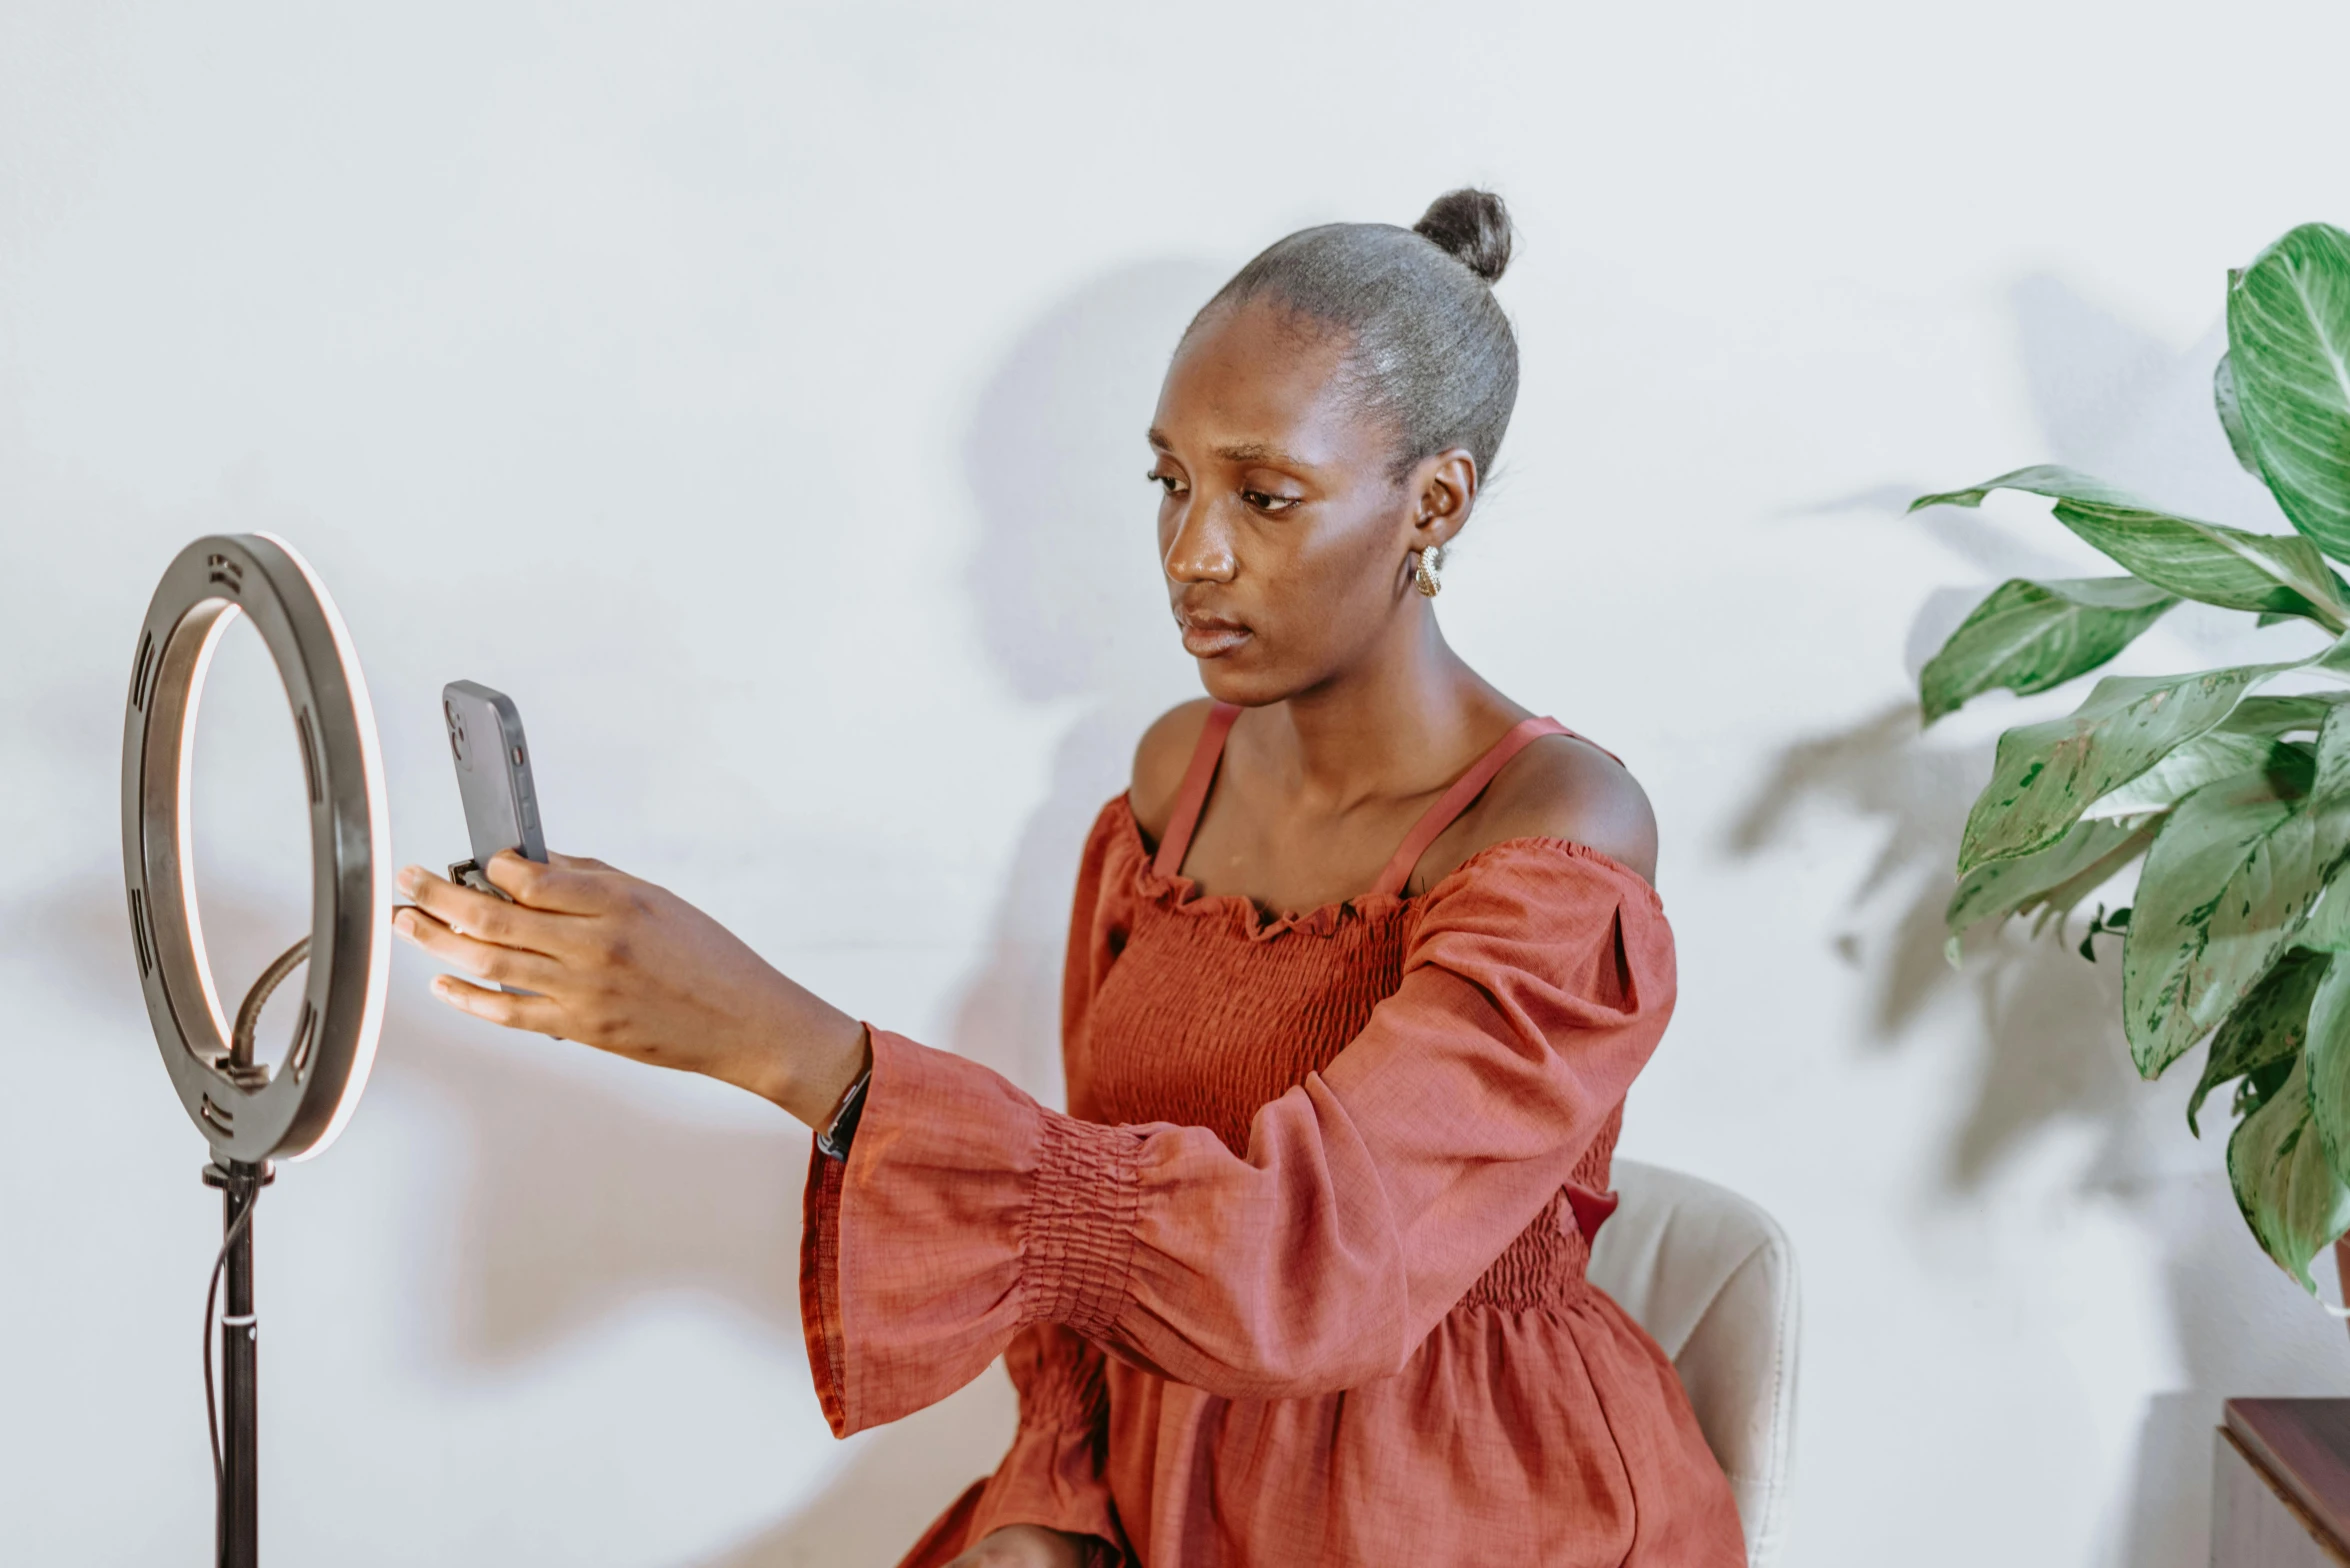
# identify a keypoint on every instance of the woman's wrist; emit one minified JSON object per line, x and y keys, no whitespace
{"x":802,"y":1054}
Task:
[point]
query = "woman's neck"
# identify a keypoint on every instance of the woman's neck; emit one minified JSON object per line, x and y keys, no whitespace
{"x":1396,"y":723}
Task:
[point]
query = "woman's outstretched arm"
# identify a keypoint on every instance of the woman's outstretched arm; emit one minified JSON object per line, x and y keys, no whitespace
{"x":1368,"y":1200}
{"x":631,"y":968}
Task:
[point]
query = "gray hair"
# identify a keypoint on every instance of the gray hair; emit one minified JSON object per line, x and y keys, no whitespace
{"x":1431,"y":350}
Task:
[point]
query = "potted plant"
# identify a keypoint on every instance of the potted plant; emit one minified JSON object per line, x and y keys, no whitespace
{"x":2230,"y":785}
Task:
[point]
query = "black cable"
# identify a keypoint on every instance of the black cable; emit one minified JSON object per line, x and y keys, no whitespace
{"x":211,"y":1400}
{"x":240,"y":1058}
{"x":240,"y":1049}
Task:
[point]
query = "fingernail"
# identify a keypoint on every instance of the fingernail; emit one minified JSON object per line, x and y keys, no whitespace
{"x":411,"y":878}
{"x":403,"y":923}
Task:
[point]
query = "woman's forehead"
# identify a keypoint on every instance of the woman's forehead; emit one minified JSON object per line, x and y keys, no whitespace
{"x":1248,"y":386}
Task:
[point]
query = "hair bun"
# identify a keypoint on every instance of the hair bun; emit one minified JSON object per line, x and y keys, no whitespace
{"x":1472,"y":226}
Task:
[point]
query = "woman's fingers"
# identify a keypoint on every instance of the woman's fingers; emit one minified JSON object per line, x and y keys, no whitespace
{"x":576,"y":862}
{"x":489,"y":960}
{"x":485,"y":915}
{"x":561,"y":884}
{"x":534,"y":1013}
{"x":630,"y":968}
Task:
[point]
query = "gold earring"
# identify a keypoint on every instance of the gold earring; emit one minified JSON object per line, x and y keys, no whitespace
{"x":1431,"y":561}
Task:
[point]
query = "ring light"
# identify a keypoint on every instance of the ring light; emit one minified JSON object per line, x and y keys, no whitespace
{"x":248,"y":1112}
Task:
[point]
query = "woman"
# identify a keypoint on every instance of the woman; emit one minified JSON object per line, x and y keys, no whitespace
{"x":1359,"y":973}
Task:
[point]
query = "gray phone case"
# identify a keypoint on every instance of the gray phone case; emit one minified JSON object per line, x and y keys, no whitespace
{"x":493,"y":778}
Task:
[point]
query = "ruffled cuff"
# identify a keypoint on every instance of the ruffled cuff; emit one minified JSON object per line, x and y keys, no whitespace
{"x":964,"y":1212}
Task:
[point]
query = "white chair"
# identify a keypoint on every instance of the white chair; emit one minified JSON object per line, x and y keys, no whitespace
{"x":1712,"y":1279}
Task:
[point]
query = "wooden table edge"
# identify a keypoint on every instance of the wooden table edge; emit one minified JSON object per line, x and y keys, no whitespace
{"x":2285,"y":1494}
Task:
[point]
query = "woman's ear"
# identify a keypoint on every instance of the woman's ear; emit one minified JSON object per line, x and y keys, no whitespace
{"x":1444,"y":488}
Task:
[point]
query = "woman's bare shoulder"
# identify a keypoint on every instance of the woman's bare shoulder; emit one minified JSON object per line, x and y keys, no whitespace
{"x":1564,"y":787}
{"x":1161,"y":760}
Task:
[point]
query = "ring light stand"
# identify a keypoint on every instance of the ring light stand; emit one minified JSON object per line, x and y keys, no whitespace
{"x":250,"y":1113}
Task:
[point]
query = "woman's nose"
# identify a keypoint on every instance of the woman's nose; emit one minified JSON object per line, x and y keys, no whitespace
{"x":1200,"y":551}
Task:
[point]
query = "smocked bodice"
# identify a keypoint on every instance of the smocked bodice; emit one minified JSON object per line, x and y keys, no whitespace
{"x":1211,"y":1010}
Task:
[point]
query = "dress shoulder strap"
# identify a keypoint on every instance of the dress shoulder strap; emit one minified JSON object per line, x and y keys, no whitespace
{"x":1192,"y":798}
{"x":1458,"y":799}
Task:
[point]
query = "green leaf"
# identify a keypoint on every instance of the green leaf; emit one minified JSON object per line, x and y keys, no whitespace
{"x":2270,"y":1026}
{"x":2045,"y":775}
{"x":2273,"y":573}
{"x":2283,"y":715}
{"x":2256,"y":1087}
{"x":2233,"y":871}
{"x":2028,"y":636}
{"x":2206,"y":562}
{"x":2231,"y":417}
{"x":2222,"y":753}
{"x":2330,"y":775}
{"x":2289,"y":1196}
{"x":2327,"y":1058}
{"x":2051,"y":881}
{"x":2048,"y":479}
{"x":2289,"y":342}
{"x":2327,"y":927}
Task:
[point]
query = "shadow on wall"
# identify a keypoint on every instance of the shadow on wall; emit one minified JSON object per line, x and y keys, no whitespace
{"x":1066,"y":599}
{"x":578,"y":1198}
{"x":2113,"y":401}
{"x":2049,"y":1022}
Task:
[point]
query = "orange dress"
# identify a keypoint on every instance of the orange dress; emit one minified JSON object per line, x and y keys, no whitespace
{"x":1299,"y":1279}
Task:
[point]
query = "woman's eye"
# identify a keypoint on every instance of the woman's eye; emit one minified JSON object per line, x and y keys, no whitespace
{"x":1166,"y":482}
{"x":1273,"y":504}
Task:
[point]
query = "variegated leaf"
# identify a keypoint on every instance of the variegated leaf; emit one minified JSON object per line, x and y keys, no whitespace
{"x":2052,"y":880}
{"x":2278,"y":574}
{"x":2029,"y":636}
{"x":2048,"y":479}
{"x":2208,"y":562}
{"x":2289,"y":352}
{"x":2231,"y":416}
{"x":2300,"y":713}
{"x":2271,"y":1025}
{"x":2208,"y":758}
{"x":2327,"y":927}
{"x":2288,"y":1194}
{"x":2045,"y":775}
{"x":2327,"y":1059}
{"x":2232,"y":873}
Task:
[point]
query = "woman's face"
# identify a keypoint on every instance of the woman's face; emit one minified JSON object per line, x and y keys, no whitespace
{"x":1284,"y":534}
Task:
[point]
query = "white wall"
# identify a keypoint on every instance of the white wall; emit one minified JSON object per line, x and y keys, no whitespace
{"x":755,"y":392}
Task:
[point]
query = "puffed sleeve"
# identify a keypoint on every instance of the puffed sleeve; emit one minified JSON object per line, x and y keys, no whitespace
{"x":1369,"y":1199}
{"x":1053,"y":1473}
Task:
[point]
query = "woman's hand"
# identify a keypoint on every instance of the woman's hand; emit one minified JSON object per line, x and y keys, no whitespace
{"x":1025,"y":1546}
{"x":633,"y":969}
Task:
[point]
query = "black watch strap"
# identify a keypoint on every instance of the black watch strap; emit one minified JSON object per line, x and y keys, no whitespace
{"x":833,"y":1142}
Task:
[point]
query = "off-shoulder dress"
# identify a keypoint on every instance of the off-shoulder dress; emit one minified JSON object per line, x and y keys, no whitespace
{"x":1300,"y":1277}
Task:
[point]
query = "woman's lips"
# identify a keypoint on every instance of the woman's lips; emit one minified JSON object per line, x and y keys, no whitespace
{"x":1210,"y":637}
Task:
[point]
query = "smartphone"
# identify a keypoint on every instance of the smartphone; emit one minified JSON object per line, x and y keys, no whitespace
{"x":493,"y":779}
